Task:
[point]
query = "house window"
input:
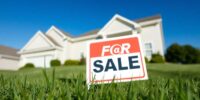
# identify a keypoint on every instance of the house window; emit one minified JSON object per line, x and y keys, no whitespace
{"x":148,"y":49}
{"x":99,"y":37}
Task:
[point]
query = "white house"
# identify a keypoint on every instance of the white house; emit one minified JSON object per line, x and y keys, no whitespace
{"x":56,"y":44}
{"x":9,"y":59}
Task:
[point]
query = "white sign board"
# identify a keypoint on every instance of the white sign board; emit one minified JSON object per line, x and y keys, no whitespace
{"x":117,"y":59}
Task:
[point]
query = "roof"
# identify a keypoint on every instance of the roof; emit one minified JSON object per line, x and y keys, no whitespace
{"x":4,"y":50}
{"x":158,"y":16}
{"x":65,"y":33}
{"x":95,"y":31}
{"x":52,"y":40}
{"x":92,"y":32}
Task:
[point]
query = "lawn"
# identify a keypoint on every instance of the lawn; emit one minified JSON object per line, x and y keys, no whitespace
{"x":166,"y":81}
{"x":154,"y":71}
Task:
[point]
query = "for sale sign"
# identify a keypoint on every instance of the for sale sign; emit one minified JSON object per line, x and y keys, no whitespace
{"x":116,"y":59}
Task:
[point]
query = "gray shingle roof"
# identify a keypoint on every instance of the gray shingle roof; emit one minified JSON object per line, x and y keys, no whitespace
{"x":95,"y":31}
{"x":4,"y":50}
{"x":158,"y":16}
{"x":65,"y":33}
{"x":92,"y":32}
{"x":52,"y":40}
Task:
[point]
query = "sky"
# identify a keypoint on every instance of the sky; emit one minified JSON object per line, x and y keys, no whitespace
{"x":21,"y":19}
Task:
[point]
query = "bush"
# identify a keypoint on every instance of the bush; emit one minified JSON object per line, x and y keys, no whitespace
{"x":185,"y":54}
{"x":28,"y":65}
{"x":146,"y":60}
{"x":72,"y":62}
{"x":157,"y":58}
{"x":55,"y":63}
{"x":82,"y":61}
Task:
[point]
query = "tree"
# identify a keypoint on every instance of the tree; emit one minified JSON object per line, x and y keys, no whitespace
{"x":175,"y":54}
{"x":192,"y":55}
{"x":182,"y":54}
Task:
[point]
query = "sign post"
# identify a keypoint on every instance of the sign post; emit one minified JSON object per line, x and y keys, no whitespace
{"x":115,"y":60}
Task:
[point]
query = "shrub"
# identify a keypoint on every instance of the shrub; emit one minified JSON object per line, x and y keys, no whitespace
{"x":28,"y":65}
{"x":146,"y":60}
{"x":55,"y":62}
{"x":157,"y":58}
{"x":185,"y":54}
{"x":82,"y":61}
{"x":71,"y":62}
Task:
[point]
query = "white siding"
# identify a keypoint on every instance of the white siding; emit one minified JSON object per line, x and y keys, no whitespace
{"x":25,"y":58}
{"x":116,"y":27}
{"x":152,"y":34}
{"x":9,"y":64}
{"x":66,"y":51}
{"x":55,"y":36}
{"x":38,"y":42}
{"x":40,"y":61}
{"x":149,"y":34}
{"x":77,"y":49}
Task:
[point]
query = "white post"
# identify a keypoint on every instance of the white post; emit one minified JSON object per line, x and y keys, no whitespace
{"x":104,"y":36}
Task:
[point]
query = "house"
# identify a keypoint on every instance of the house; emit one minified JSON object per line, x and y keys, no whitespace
{"x":9,"y":59}
{"x":56,"y":44}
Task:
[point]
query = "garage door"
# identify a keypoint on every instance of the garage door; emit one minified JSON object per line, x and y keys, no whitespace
{"x":40,"y":61}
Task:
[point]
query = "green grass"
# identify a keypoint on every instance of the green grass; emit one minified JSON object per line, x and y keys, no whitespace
{"x":166,"y":81}
{"x":36,"y":73}
{"x":174,"y":71}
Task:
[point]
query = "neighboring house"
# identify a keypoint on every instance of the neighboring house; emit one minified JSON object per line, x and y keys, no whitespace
{"x":56,"y":44}
{"x":9,"y":59}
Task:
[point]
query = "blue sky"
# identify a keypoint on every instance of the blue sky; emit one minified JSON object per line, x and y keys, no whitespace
{"x":20,"y":19}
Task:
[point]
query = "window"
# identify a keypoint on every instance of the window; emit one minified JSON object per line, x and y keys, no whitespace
{"x":119,"y":34}
{"x":148,"y":49}
{"x":99,"y":37}
{"x":148,"y":53}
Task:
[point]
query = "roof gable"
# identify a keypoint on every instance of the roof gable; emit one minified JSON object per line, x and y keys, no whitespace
{"x":118,"y":24}
{"x":62,"y":34}
{"x":56,"y":36}
{"x":39,"y":40}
